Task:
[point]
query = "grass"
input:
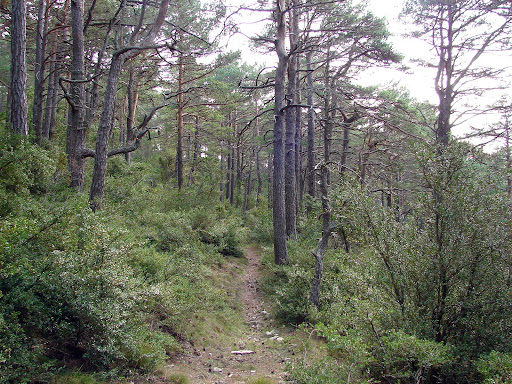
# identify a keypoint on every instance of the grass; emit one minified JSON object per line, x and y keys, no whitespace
{"x":177,"y":379}
{"x":75,"y":378}
{"x":262,"y":380}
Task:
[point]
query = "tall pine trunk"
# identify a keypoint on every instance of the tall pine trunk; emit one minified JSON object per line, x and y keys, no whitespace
{"x":39,"y":70}
{"x":19,"y":68}
{"x":76,"y":132}
{"x":179,"y":144}
{"x":52,"y":90}
{"x":324,"y":240}
{"x":298,"y":135}
{"x":278,"y":199}
{"x":107,"y":116}
{"x":310,"y":166}
{"x":133,"y":97}
{"x":290,"y":169}
{"x":104,"y":131}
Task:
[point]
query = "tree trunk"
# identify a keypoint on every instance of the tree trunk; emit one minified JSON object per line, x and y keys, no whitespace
{"x":508,"y":164}
{"x":18,"y":68}
{"x":104,"y":130}
{"x":107,"y":115}
{"x":247,"y":191}
{"x":443,"y":121}
{"x":228,"y":175}
{"x":278,"y":200}
{"x":327,"y":117}
{"x":258,"y":165}
{"x":52,"y":90}
{"x":291,"y":97}
{"x":232,"y":177}
{"x":324,"y":240}
{"x":76,"y":133}
{"x":195,"y":154}
{"x":298,"y":136}
{"x":39,"y":69}
{"x":270,"y":183}
{"x":310,"y":167}
{"x":179,"y":145}
{"x":238,"y":153}
{"x":221,"y":185}
{"x":344,"y":150}
{"x":133,"y":97}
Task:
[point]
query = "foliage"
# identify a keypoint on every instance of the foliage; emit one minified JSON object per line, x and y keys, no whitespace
{"x":259,"y":223}
{"x":389,"y":311}
{"x":177,"y":379}
{"x":289,"y":285}
{"x":108,"y":291}
{"x":495,"y":368}
{"x":325,"y":371}
{"x":25,"y":169}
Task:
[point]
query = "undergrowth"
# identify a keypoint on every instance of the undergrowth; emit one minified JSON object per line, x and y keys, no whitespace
{"x":114,"y":292}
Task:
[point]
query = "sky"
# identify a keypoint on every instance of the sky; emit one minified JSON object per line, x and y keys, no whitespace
{"x":419,"y":81}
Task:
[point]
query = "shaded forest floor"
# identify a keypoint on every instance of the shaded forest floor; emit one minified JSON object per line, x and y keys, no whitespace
{"x":256,"y":353}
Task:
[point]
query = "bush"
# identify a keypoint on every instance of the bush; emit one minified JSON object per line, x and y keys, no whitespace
{"x":325,"y":371}
{"x":24,"y":169}
{"x":67,"y":294}
{"x":495,"y":368}
{"x":259,"y":222}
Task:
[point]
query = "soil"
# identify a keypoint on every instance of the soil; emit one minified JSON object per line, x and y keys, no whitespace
{"x":216,"y":363}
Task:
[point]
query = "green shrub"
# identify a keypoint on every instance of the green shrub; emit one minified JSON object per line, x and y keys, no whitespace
{"x":408,"y":358}
{"x":291,"y":286}
{"x":495,"y":368}
{"x":325,"y":371}
{"x":259,"y":222}
{"x":68,"y":294}
{"x":24,"y":169}
{"x":75,"y":378}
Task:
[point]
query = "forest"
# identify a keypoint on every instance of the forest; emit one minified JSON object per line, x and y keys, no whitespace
{"x":172,"y":213}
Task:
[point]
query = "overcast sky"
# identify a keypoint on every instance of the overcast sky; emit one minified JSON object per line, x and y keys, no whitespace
{"x":419,"y":81}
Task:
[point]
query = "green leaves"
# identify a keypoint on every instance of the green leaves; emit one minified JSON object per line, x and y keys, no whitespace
{"x":495,"y":368}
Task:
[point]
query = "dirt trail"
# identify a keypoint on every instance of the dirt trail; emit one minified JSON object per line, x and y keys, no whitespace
{"x":269,"y":351}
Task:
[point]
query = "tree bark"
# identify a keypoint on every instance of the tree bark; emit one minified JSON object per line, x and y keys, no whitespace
{"x":77,"y":127}
{"x":39,"y":70}
{"x":232,"y":177}
{"x":278,"y":199}
{"x":133,"y":97}
{"x":327,"y":116}
{"x":344,"y":150}
{"x":107,"y":115}
{"x":290,"y":171}
{"x":104,"y":131}
{"x":195,"y":154}
{"x":19,"y":109}
{"x":247,"y":190}
{"x":258,"y":165}
{"x":298,"y":135}
{"x":52,"y":90}
{"x":310,"y":173}
{"x":221,"y":184}
{"x":508,"y":164}
{"x":324,"y":240}
{"x":228,"y":175}
{"x":179,"y":144}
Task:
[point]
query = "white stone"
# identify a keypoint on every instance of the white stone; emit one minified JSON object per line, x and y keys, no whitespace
{"x":242,"y":352}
